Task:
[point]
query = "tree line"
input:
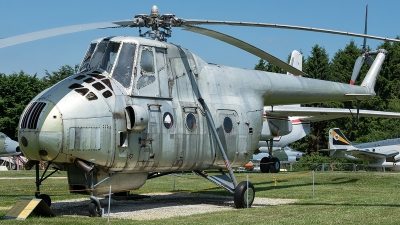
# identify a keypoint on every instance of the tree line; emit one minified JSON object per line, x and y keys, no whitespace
{"x":18,"y":89}
{"x":339,"y":69}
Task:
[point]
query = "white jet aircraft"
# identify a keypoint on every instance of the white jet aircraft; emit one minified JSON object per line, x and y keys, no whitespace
{"x":8,"y":147}
{"x":381,"y":154}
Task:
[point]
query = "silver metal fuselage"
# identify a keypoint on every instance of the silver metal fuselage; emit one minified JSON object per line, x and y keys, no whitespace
{"x":149,"y":119}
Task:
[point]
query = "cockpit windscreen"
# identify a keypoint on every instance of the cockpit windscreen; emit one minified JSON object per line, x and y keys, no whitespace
{"x":124,"y":66}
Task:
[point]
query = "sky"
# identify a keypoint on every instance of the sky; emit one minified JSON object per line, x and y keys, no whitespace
{"x":24,"y":16}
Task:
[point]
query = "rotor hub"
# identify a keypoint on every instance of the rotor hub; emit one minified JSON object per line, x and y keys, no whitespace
{"x":155,"y":21}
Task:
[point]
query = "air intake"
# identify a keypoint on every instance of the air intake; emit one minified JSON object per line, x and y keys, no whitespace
{"x":31,"y":117}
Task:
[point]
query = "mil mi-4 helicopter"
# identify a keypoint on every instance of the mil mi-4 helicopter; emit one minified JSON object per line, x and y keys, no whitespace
{"x":140,"y":108}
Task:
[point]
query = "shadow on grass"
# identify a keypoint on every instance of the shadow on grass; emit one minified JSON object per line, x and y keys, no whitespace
{"x":344,"y":204}
{"x":272,"y":187}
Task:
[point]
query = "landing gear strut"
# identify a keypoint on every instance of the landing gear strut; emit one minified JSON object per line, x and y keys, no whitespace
{"x":39,"y":181}
{"x":229,"y":183}
{"x":243,"y":193}
{"x":270,"y":164}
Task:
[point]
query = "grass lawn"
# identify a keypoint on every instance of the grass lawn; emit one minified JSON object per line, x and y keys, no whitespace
{"x":339,"y":198}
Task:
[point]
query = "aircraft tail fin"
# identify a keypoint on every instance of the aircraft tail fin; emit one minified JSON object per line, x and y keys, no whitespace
{"x":296,"y":60}
{"x":337,"y":140}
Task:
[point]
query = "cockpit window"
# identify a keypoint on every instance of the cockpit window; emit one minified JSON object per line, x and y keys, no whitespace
{"x":98,"y":54}
{"x":146,"y":62}
{"x":109,"y":56}
{"x":123,"y":69}
{"x":86,"y":59}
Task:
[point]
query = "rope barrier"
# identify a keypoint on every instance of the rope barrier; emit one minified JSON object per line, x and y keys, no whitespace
{"x":188,"y":177}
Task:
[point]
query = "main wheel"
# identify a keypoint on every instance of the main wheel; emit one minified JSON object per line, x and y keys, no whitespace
{"x":46,"y":199}
{"x":275,"y":165}
{"x":94,"y":211}
{"x":244,"y":195}
{"x":264,"y":166}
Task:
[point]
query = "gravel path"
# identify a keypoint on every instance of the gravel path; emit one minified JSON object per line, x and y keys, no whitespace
{"x":159,"y":205}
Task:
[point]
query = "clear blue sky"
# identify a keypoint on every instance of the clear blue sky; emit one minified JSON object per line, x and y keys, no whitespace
{"x":24,"y":16}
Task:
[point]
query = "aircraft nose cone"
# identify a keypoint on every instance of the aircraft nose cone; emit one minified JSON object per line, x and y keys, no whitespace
{"x":40,"y":131}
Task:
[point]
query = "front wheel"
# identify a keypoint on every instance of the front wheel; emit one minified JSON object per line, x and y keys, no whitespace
{"x":244,"y":195}
{"x":46,"y":199}
{"x":94,"y":211}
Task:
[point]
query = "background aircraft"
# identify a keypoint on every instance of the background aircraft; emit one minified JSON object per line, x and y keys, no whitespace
{"x":10,"y":153}
{"x":285,"y":155}
{"x":8,"y":147}
{"x":380,"y":154}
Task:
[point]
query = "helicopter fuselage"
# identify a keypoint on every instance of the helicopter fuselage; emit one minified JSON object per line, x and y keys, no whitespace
{"x":143,"y":116}
{"x":134,"y":108}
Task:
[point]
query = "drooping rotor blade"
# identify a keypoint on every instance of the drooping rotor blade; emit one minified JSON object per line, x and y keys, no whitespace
{"x":245,"y":46}
{"x":356,"y":69}
{"x":270,"y":25}
{"x":19,"y":39}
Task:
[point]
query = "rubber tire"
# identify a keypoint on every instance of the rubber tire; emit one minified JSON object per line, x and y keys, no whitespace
{"x":93,"y":212}
{"x":275,"y":165}
{"x":46,"y":199}
{"x":264,"y":166}
{"x":240,"y":195}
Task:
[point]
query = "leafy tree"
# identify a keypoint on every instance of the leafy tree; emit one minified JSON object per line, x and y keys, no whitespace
{"x":317,"y":65}
{"x":54,"y":77}
{"x":17,"y":90}
{"x":261,"y":65}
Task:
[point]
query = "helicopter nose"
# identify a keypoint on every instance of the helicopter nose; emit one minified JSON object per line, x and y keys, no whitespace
{"x":40,"y":133}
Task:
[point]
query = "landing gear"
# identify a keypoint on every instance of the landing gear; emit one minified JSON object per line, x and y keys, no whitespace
{"x":264,"y":165}
{"x":244,"y":195}
{"x":94,"y":209}
{"x":45,"y":198}
{"x":270,"y":164}
{"x":275,"y":165}
{"x":39,"y":181}
{"x":229,"y":183}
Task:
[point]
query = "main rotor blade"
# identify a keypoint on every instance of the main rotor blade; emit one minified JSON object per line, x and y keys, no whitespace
{"x":19,"y":39}
{"x":270,"y":25}
{"x":245,"y":46}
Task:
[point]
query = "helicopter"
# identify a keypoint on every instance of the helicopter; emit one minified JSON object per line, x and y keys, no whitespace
{"x":140,"y":108}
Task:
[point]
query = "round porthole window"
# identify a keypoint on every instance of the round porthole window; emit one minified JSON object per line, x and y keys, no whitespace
{"x":228,"y":125}
{"x":168,"y":120}
{"x":191,"y":121}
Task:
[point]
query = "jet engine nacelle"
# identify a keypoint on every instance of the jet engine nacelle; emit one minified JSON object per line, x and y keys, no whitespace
{"x":273,"y":127}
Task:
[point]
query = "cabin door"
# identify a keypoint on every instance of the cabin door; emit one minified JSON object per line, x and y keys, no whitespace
{"x":227,"y":129}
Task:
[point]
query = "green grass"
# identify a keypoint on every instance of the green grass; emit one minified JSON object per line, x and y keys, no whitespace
{"x":339,"y":198}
